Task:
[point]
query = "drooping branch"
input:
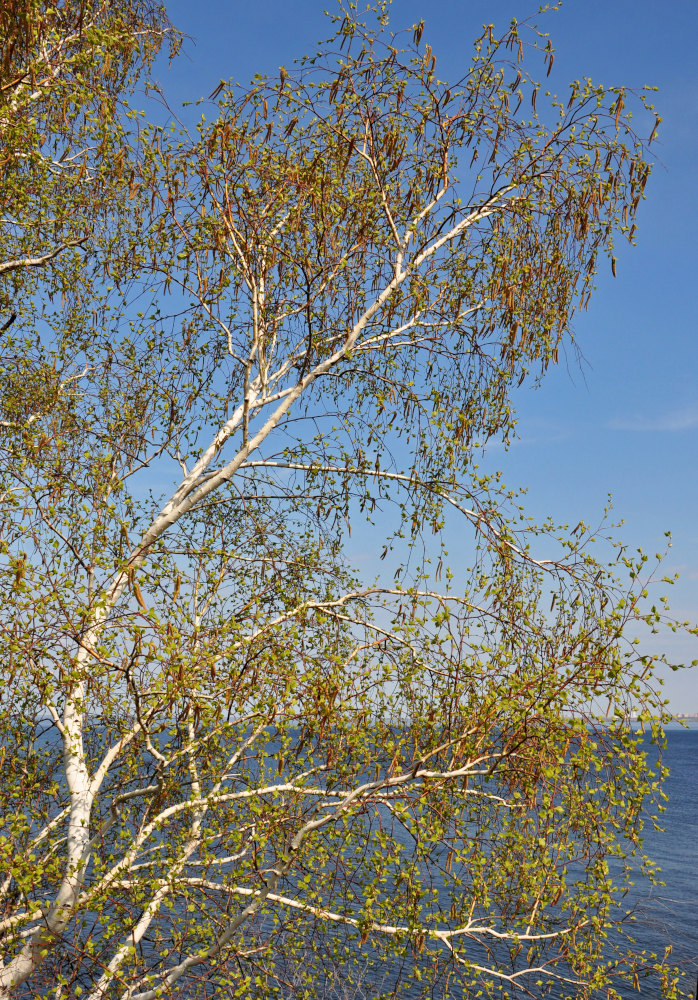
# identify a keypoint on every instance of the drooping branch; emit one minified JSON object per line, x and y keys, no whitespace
{"x":41,"y":260}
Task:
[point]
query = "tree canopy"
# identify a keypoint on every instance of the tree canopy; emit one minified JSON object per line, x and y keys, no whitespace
{"x":233,"y":762}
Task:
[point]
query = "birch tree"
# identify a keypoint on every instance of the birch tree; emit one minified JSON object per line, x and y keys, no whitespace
{"x":233,"y":764}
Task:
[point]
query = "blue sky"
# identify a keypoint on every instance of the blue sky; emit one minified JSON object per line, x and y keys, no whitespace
{"x":624,"y":420}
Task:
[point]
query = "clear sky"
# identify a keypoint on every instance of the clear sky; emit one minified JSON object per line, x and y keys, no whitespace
{"x":624,"y":421}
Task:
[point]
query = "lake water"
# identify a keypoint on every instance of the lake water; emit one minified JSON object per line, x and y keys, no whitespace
{"x":667,"y":914}
{"x":671,"y":912}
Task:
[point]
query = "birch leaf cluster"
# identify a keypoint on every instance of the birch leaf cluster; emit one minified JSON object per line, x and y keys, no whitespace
{"x":234,"y":762}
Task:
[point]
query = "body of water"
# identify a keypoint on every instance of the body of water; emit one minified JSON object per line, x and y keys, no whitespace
{"x":666,"y":915}
{"x":669,"y":914}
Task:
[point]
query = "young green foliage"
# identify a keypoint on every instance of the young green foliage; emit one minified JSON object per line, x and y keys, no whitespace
{"x":230,"y":763}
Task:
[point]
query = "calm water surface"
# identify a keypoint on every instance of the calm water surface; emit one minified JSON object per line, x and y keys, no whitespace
{"x":666,"y":914}
{"x":671,"y":911}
